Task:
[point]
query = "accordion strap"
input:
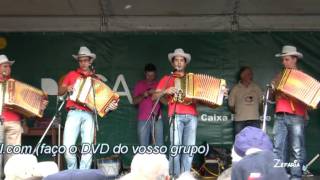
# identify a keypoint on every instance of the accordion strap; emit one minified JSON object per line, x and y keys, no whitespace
{"x":282,"y":95}
{"x":293,"y":108}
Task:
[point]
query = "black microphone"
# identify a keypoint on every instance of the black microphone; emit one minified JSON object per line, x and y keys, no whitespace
{"x":4,"y":76}
{"x":174,"y":70}
{"x":65,"y":96}
{"x":91,"y":67}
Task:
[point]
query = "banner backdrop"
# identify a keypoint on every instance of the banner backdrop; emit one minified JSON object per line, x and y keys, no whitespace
{"x":43,"y":58}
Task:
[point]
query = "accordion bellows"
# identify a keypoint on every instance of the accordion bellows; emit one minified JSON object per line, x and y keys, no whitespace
{"x":23,"y":98}
{"x":205,"y":89}
{"x":99,"y":99}
{"x":300,"y":86}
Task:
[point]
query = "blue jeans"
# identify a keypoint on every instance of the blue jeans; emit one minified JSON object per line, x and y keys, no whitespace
{"x":185,"y":129}
{"x":78,"y":122}
{"x":289,"y":137}
{"x":145,"y":130}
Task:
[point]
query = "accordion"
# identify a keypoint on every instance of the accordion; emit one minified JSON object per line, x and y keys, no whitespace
{"x":94,"y":94}
{"x":300,"y":86}
{"x":22,"y":98}
{"x":206,"y":89}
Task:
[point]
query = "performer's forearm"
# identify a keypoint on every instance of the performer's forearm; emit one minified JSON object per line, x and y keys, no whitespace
{"x":156,"y":95}
{"x":62,"y":90}
{"x":138,"y":99}
{"x":163,"y":100}
{"x":232,"y":109}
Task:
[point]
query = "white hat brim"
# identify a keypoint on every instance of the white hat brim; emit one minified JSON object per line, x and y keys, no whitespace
{"x":9,"y":62}
{"x":185,"y":55}
{"x":299,"y":55}
{"x":92,"y":56}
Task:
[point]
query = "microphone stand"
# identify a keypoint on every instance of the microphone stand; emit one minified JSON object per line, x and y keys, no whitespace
{"x":2,"y":134}
{"x":265,"y":110}
{"x":172,"y":118}
{"x":94,"y":100}
{"x":59,"y":129}
{"x":56,"y":115}
{"x":152,"y":114}
{"x":173,"y":124}
{"x":95,"y":113}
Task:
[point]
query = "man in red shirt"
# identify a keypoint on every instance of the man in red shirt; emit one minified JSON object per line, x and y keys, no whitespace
{"x":10,"y":120}
{"x":80,"y":118}
{"x":184,"y":115}
{"x":290,"y":120}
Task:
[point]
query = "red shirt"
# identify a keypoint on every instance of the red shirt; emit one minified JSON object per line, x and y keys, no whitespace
{"x":290,"y":105}
{"x":70,"y":80}
{"x":180,"y":108}
{"x":8,"y":114}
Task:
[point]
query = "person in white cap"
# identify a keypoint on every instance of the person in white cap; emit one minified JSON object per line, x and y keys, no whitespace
{"x":10,"y":120}
{"x":185,"y":120}
{"x":290,"y":119}
{"x":148,"y":167}
{"x":26,"y":166}
{"x":80,"y":118}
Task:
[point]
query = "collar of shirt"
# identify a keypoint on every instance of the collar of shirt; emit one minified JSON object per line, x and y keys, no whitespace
{"x":242,"y":85}
{"x":150,"y":82}
{"x":85,"y":73}
{"x":2,"y":79}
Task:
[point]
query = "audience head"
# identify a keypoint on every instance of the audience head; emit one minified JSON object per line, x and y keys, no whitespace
{"x":148,"y":167}
{"x":251,"y":139}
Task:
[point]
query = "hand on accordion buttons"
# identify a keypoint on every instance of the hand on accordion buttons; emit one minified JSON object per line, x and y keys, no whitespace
{"x":171,"y":90}
{"x":226,"y":92}
{"x":151,"y":91}
{"x":70,"y":89}
{"x":146,"y":94}
{"x":112,"y":106}
{"x":44,"y":104}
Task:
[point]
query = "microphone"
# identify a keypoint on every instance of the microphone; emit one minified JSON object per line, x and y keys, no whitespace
{"x":65,"y":96}
{"x":91,"y":67}
{"x":62,"y":98}
{"x":270,"y":86}
{"x":5,"y":76}
{"x":174,"y":70}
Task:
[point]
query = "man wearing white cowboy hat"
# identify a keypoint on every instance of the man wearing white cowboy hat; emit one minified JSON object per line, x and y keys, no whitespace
{"x":10,"y":120}
{"x":290,"y":119}
{"x":185,"y":120}
{"x":79,"y":118}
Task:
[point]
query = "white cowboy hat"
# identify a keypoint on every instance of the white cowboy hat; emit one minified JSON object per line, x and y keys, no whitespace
{"x":4,"y":59}
{"x":179,"y":52}
{"x":289,"y":51}
{"x":83,"y":52}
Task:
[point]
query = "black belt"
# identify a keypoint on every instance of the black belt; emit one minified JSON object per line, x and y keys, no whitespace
{"x":76,"y":109}
{"x":285,"y":114}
